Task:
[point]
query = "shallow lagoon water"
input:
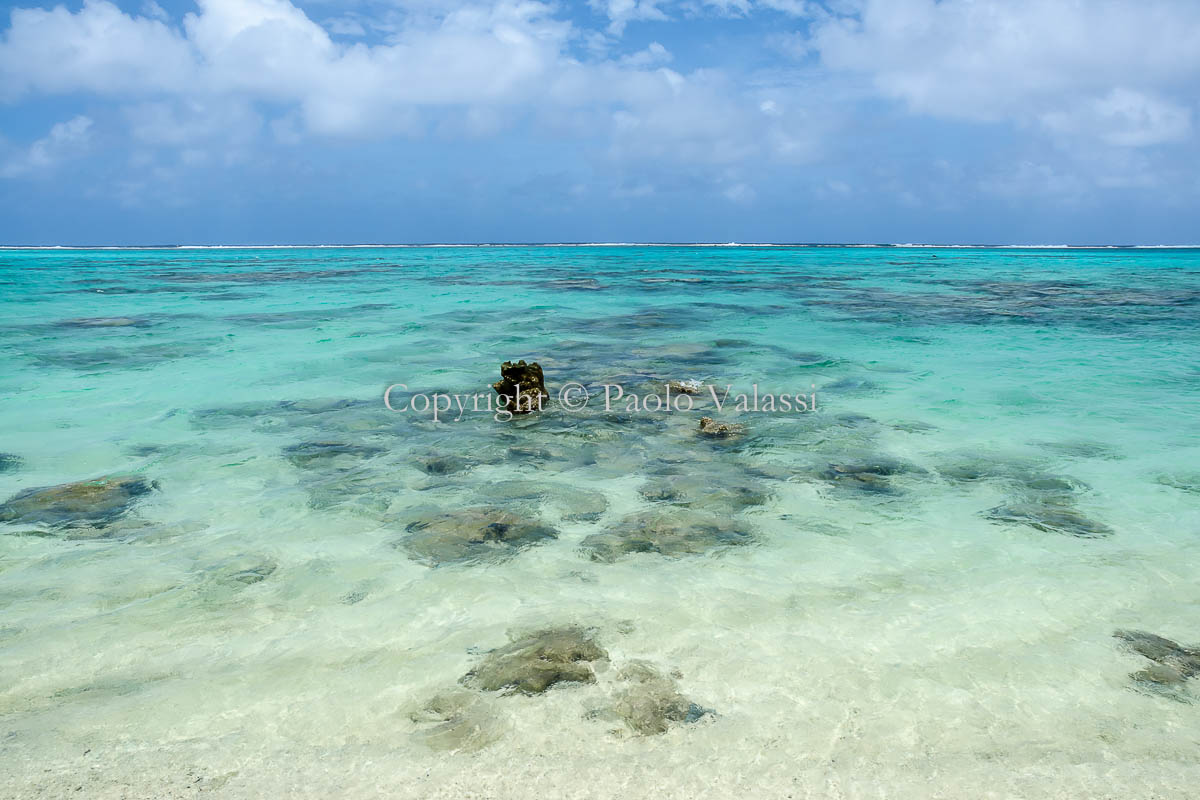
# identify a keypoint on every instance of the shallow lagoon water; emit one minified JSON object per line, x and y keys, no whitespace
{"x":1001,"y":471}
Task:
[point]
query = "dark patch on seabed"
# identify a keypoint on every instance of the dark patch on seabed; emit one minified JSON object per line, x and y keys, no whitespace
{"x":140,"y":356}
{"x":267,"y":276}
{"x":988,"y":302}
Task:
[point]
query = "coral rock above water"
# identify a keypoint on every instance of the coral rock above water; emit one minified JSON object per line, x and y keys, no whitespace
{"x":533,"y":663}
{"x":690,"y":386}
{"x":522,"y":387}
{"x":97,"y":502}
{"x":720,"y":430}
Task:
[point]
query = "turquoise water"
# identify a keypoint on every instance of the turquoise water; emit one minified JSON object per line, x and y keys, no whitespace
{"x":913,"y":592}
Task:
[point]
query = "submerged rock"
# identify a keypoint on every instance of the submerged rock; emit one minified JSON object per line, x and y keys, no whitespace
{"x":535,"y":453}
{"x":869,"y":475}
{"x":1022,"y":473}
{"x":651,"y":701}
{"x":241,"y":570}
{"x":98,"y":502}
{"x":1160,"y":675}
{"x":674,"y":533}
{"x":442,"y":464}
{"x":969,"y":471}
{"x":218,"y":584}
{"x":914,"y":426}
{"x":144,"y":356}
{"x":366,"y":491}
{"x":1042,"y":484}
{"x":455,"y":720}
{"x":850,"y":385}
{"x":1035,"y":494}
{"x":1173,"y":662}
{"x":851,"y":420}
{"x":9,"y":462}
{"x":572,"y":502}
{"x":328,"y":415}
{"x":704,"y":491}
{"x":1050,"y":517}
{"x":1079,"y":448}
{"x":1184,"y":482}
{"x":578,"y":504}
{"x":321,"y":405}
{"x":1171,"y":667}
{"x":522,"y":387}
{"x":533,"y":663}
{"x":104,"y":322}
{"x":472,"y":534}
{"x":720,"y":430}
{"x":317,"y":454}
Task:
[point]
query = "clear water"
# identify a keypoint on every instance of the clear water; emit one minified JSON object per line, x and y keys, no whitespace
{"x":252,"y":629}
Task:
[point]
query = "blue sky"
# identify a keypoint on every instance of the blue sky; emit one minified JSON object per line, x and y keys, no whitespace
{"x":268,"y":121}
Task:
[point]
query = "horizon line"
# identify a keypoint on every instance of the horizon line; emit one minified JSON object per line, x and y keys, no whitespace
{"x":371,"y":245}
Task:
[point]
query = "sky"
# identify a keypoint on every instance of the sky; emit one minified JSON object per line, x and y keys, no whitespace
{"x":385,"y":121}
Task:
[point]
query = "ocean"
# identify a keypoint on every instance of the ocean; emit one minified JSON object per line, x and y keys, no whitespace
{"x":905,"y":586}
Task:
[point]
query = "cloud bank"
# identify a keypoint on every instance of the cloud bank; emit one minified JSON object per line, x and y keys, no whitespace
{"x":1085,"y":94}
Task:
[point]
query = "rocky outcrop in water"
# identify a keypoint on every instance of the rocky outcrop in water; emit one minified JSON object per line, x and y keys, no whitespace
{"x":9,"y":462}
{"x":97,"y":503}
{"x":533,"y":663}
{"x":521,"y":387}
{"x":472,"y":535}
{"x":720,"y":430}
{"x":690,"y":386}
{"x":674,"y":533}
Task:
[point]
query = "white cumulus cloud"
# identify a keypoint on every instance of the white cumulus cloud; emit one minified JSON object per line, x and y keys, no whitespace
{"x":1122,"y":71}
{"x":65,"y":140}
